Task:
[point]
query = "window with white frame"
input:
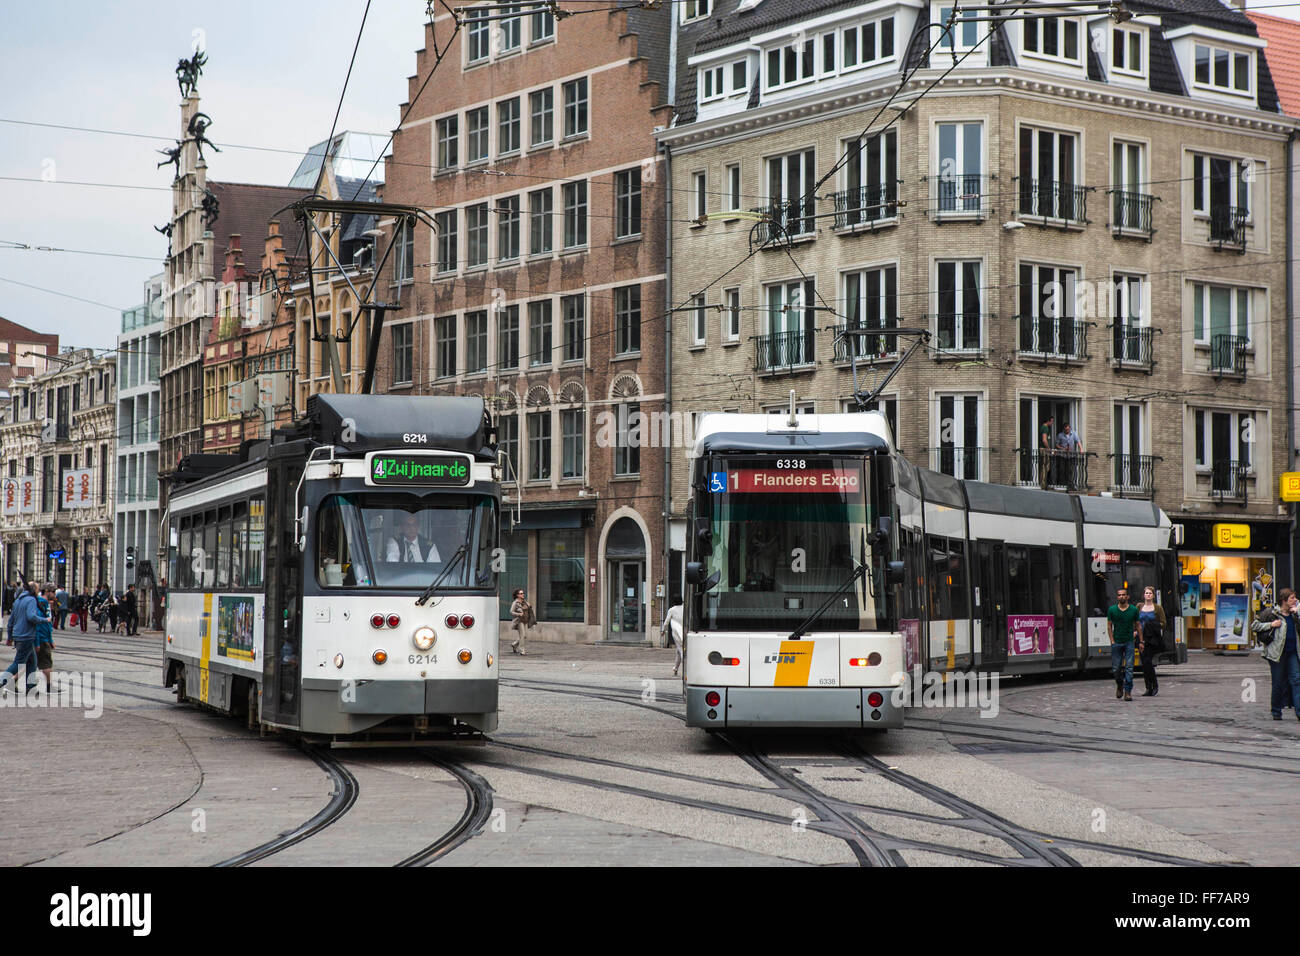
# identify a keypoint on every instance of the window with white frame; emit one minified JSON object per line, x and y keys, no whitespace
{"x":447,"y":222}
{"x":733,"y":187}
{"x":476,"y":127}
{"x":1220,"y":310}
{"x":958,"y":435}
{"x":699,"y":194}
{"x":627,"y":320}
{"x":448,"y":135}
{"x":1224,"y":70}
{"x":1222,"y":436}
{"x":478,"y":33}
{"x":540,"y":225}
{"x":1048,"y":174}
{"x":1220,"y":183}
{"x":1128,"y":50}
{"x":699,"y":321}
{"x":790,"y":64}
{"x":509,"y":135}
{"x":958,"y":319}
{"x":1054,"y":38}
{"x":960,"y":34}
{"x":712,"y":82}
{"x":1132,"y":209}
{"x":575,"y":214}
{"x":509,"y":29}
{"x":403,"y":354}
{"x":1048,"y":320}
{"x":695,"y":9}
{"x":1132,"y":338}
{"x":791,"y":325}
{"x":476,"y":235}
{"x":959,"y":179}
{"x":404,"y":254}
{"x":790,"y":181}
{"x":740,"y":77}
{"x":539,"y":446}
{"x":866,"y":44}
{"x":476,"y":341}
{"x":444,"y":339}
{"x":628,"y":438}
{"x":575,"y":107}
{"x":543,"y":24}
{"x":541,"y":111}
{"x":627,"y":203}
{"x":508,"y":228}
{"x":539,"y":333}
{"x":572,"y":442}
{"x":573,"y":310}
{"x":508,"y":338}
{"x":1129,"y":443}
{"x":870,"y":303}
{"x":871,"y":180}
{"x":508,"y":444}
{"x":731,"y":319}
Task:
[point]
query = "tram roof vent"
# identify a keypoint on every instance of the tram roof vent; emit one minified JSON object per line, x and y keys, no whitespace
{"x":362,"y":423}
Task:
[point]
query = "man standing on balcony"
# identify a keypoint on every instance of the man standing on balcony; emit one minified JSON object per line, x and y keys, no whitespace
{"x":1046,"y":437}
{"x":1067,"y":446}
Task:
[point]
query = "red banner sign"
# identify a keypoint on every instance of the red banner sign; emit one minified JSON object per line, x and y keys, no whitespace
{"x":804,"y":481}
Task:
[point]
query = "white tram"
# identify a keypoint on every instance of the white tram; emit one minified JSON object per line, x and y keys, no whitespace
{"x":337,"y":581}
{"x":822,"y":568}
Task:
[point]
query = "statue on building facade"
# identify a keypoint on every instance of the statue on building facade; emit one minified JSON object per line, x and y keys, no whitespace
{"x":166,"y":231}
{"x":210,"y":206}
{"x":172,"y":156}
{"x":198,"y":129}
{"x":189,"y":71}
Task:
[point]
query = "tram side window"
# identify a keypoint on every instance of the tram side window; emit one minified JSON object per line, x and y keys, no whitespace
{"x":1030,"y":590}
{"x":239,"y":524}
{"x":222,"y":557}
{"x":947,"y":579}
{"x":911,"y":575}
{"x":1140,"y":572}
{"x":333,"y":561}
{"x":182,"y":575}
{"x":209,"y":550}
{"x":255,"y":543}
{"x":957,"y":579}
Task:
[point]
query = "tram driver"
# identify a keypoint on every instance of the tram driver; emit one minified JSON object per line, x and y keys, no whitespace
{"x":410,"y":545}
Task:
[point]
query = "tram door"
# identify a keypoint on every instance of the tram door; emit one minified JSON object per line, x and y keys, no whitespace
{"x":283,"y":637}
{"x":1066,"y":607}
{"x":991,"y":581}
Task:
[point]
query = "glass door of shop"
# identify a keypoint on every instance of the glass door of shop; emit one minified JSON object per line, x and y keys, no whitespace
{"x":627,"y":615}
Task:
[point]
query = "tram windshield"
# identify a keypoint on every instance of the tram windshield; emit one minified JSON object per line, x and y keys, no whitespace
{"x":784,"y":533}
{"x":397,"y":540}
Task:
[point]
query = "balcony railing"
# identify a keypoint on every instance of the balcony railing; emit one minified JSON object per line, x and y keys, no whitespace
{"x":783,"y":221}
{"x":1053,"y":338}
{"x":1058,"y":470}
{"x":959,"y":331}
{"x":960,"y":461}
{"x":784,"y":351}
{"x":1228,"y":355}
{"x":1054,"y":200}
{"x":1228,"y":481}
{"x":1132,"y":212}
{"x":1133,"y":474}
{"x":868,"y":347}
{"x":962,"y":195}
{"x":1133,"y":346}
{"x":865,"y":205}
{"x":1228,"y":227}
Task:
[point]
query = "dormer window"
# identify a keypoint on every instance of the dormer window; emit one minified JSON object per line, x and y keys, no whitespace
{"x":695,"y":10}
{"x":1128,"y":51}
{"x":711,"y":80}
{"x":963,"y":34}
{"x":1221,"y":69}
{"x":726,"y":80}
{"x":869,"y":43}
{"x":790,"y":64}
{"x":1053,"y":38}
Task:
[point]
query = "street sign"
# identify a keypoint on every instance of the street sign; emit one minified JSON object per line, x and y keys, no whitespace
{"x":1230,"y":535}
{"x":1289,"y":486}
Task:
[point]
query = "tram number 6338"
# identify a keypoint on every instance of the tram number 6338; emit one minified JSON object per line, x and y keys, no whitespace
{"x":791,"y":463}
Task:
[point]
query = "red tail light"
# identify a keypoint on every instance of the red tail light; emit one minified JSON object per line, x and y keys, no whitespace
{"x":713,"y":698}
{"x":453,"y":620}
{"x":467,"y":620}
{"x":875,"y":699}
{"x":394,"y":620}
{"x":717,"y":659}
{"x":376,"y":620}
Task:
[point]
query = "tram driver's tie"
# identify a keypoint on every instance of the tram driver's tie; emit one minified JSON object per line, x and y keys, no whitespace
{"x":411,"y":553}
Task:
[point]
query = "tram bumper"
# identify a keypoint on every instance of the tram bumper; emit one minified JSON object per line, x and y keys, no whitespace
{"x":797,"y":707}
{"x":463,"y":696}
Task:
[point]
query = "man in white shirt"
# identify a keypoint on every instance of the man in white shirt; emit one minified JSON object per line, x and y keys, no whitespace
{"x":410,"y":546}
{"x":673,"y":623}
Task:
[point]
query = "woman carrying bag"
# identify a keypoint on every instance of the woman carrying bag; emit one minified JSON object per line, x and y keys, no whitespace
{"x":1151,"y":618}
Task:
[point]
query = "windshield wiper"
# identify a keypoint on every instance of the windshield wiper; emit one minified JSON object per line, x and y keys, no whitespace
{"x":816,"y":615}
{"x":446,"y":569}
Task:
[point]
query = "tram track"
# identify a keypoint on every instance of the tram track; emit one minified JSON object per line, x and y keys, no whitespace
{"x":478,"y":810}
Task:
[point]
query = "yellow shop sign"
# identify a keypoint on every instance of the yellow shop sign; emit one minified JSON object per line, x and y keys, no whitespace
{"x":1230,"y":535}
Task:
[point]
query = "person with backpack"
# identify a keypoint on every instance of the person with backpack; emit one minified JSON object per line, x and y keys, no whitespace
{"x":23,"y":620}
{"x":1275,"y":629}
{"x":45,"y":636}
{"x":1151,"y":640}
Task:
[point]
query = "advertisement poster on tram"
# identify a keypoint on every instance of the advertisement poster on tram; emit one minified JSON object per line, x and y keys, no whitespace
{"x":1232,"y":619}
{"x":235,"y":628}
{"x":1030,"y":634}
{"x":911,"y":631}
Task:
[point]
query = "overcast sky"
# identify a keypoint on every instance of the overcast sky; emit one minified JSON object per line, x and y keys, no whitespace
{"x":274,"y":73}
{"x":273,"y":78}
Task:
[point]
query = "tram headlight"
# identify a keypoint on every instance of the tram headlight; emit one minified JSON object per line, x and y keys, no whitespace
{"x":338,"y":660}
{"x":423,"y":638}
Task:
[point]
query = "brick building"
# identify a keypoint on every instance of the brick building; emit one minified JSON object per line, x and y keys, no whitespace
{"x":1087,"y":216}
{"x":21,"y":351}
{"x":543,"y":288}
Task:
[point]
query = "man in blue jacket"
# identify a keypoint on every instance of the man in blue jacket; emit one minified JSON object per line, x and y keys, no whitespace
{"x":22,"y":624}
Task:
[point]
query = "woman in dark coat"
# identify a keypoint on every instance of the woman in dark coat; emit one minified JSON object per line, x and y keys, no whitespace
{"x":1151,"y":618}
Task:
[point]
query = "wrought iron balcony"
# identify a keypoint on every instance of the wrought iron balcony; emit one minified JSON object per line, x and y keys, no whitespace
{"x":1228,"y":479}
{"x":1133,"y":346}
{"x":1133,"y":475}
{"x":1054,"y":200}
{"x":868,"y":347}
{"x":1228,"y":355}
{"x":1042,"y":337}
{"x":784,"y":221}
{"x":784,"y":352}
{"x":960,"y":461}
{"x":1132,"y":213}
{"x":959,"y":331}
{"x":1228,"y":227}
{"x":962,"y":195}
{"x":866,"y":205}
{"x":1056,"y":470}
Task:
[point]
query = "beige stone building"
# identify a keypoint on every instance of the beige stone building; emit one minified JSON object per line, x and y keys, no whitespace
{"x":1088,"y":217}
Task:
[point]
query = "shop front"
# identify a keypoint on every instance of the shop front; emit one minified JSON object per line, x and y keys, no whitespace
{"x":546,"y":555}
{"x":1229,"y":573}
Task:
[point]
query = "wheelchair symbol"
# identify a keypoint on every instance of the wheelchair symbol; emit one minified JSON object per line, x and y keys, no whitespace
{"x":718,"y":482}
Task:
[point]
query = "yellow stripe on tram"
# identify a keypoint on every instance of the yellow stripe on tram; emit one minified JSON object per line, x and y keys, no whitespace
{"x":205,"y":632}
{"x":794,"y":664}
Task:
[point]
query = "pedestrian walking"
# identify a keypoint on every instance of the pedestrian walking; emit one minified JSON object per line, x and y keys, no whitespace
{"x":130,"y":611}
{"x":84,"y":612}
{"x":63,"y":601}
{"x":673,"y":623}
{"x":1121,"y":623}
{"x":23,"y":620}
{"x":1151,"y":640}
{"x":1275,"y":629}
{"x":45,"y":637}
{"x":521,"y":618}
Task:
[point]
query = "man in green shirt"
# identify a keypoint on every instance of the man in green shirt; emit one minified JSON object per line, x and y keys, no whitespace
{"x":1121,"y":621}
